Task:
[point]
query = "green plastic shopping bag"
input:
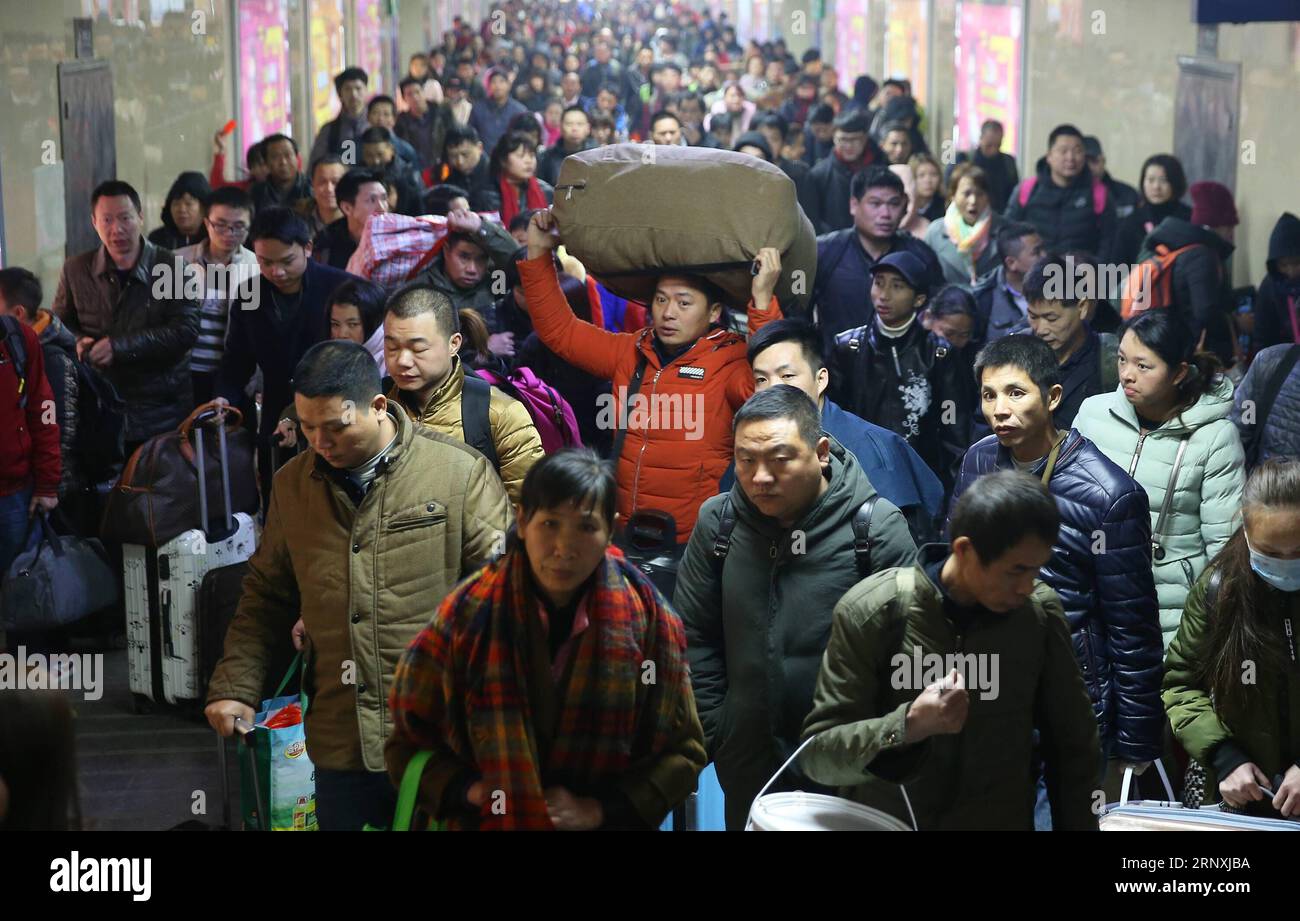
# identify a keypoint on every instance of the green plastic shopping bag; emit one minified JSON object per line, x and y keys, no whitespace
{"x":282,"y":796}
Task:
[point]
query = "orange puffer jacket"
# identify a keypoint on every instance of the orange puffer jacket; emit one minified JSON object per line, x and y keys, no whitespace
{"x":678,"y":443}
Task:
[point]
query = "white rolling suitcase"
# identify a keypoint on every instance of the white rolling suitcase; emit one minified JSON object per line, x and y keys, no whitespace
{"x":162,"y":593}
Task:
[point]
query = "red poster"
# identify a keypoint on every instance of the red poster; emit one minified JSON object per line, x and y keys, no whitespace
{"x":263,"y":70}
{"x":989,"y":41}
{"x":370,"y":43}
{"x":850,"y":41}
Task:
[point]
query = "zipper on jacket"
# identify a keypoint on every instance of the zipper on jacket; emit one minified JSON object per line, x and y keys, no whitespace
{"x":1137,"y":452}
{"x":645,"y":443}
{"x":898,"y":369}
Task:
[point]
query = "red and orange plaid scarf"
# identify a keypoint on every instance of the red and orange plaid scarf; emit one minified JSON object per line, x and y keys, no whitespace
{"x":628,"y":673}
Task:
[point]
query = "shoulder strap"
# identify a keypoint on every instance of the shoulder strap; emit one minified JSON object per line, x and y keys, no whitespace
{"x":1098,"y":197}
{"x":1264,"y":405}
{"x":862,"y":536}
{"x":722,"y":540}
{"x":632,"y":387}
{"x":13,"y":339}
{"x":1158,"y":533}
{"x":475,"y":398}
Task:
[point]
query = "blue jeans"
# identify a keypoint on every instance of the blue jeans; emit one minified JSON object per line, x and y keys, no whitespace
{"x":348,"y":800}
{"x":13,"y":527}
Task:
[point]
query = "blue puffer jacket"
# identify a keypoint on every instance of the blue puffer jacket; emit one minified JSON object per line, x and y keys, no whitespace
{"x":1281,"y":434}
{"x":1101,"y":569}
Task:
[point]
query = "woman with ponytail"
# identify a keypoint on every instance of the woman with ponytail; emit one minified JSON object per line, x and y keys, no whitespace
{"x":1167,"y":425}
{"x":1232,"y":678}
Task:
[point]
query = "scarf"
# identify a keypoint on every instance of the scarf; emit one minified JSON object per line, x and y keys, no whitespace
{"x":970,"y":241}
{"x":858,"y":165}
{"x":510,"y":198}
{"x":609,"y":720}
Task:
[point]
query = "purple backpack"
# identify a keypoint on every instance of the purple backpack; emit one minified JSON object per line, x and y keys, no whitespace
{"x":551,"y":413}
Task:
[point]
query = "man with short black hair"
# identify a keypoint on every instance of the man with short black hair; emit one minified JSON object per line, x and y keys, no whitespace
{"x":1059,"y":311}
{"x":322,"y":209}
{"x":877,"y":202}
{"x":936,"y":676}
{"x":473,"y":263}
{"x":140,"y":341}
{"x":491,"y":117}
{"x":774,"y":128}
{"x":273,"y":326}
{"x":340,"y":134}
{"x":422,"y":125}
{"x":790,"y":352}
{"x":832,"y":179}
{"x":1101,"y":557}
{"x":381,"y":112}
{"x":226,"y":265}
{"x":819,"y":135}
{"x":758,"y":618}
{"x":422,"y":340}
{"x":666,"y":129}
{"x":1003,"y":308}
{"x":1070,"y":208}
{"x":360,"y":193}
{"x":379,"y":155}
{"x":575,"y":136}
{"x":365,"y":534}
{"x":467,"y":167}
{"x":602,"y":70}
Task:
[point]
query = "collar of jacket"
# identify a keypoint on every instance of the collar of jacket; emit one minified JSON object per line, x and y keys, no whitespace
{"x":910,"y":339}
{"x":103,"y":266}
{"x":1212,"y":406}
{"x":1087,"y":350}
{"x":840,"y":500}
{"x":716,"y":339}
{"x":449,"y":389}
{"x":1069,"y":448}
{"x":50,"y":330}
{"x":405,"y":432}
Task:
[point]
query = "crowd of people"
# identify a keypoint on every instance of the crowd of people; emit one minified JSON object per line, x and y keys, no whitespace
{"x":844,"y":499}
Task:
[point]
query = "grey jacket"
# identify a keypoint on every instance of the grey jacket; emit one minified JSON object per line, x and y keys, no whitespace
{"x":1281,"y":428}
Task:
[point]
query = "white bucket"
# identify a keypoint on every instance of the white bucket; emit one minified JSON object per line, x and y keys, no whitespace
{"x":817,"y":812}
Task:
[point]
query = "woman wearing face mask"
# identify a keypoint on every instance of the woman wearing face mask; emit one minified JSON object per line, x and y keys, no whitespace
{"x":1162,"y":186}
{"x":1167,"y":425}
{"x":965,"y":240}
{"x":1243,"y":618}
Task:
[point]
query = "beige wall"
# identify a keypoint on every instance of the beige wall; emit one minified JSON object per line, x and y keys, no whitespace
{"x":170,"y":87}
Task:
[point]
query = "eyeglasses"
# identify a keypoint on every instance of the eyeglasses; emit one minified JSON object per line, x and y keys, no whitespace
{"x":233,"y":230}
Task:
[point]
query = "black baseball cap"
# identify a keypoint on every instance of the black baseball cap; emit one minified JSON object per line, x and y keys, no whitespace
{"x":909,"y":266}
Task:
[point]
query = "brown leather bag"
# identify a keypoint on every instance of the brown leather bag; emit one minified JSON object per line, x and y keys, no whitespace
{"x":157,"y":497}
{"x":631,"y":212}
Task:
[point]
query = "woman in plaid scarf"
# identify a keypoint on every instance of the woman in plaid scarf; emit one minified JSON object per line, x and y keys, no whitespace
{"x":551,"y":686}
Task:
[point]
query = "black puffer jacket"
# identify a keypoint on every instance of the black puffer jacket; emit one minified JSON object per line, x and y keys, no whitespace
{"x":1101,"y":569}
{"x":1272,"y":310}
{"x":1066,"y":218}
{"x":907,"y":385}
{"x":1134,"y":228}
{"x":59,"y":347}
{"x":827,"y":203}
{"x":1202,"y":290}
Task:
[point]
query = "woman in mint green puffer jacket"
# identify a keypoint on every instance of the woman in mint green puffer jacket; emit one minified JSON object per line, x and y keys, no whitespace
{"x":1171,"y":407}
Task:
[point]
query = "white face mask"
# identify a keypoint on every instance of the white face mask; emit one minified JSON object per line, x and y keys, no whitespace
{"x":1283,"y":575}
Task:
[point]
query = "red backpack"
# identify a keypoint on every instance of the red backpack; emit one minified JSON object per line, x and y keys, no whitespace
{"x":1152,"y":285}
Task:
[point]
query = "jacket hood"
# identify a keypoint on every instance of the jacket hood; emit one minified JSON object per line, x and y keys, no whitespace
{"x":53,"y":332}
{"x":1283,"y":241}
{"x":847,"y":490}
{"x":1175,"y":232}
{"x":1213,"y":405}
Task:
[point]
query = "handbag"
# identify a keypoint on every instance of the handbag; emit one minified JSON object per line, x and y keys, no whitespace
{"x":279,"y":782}
{"x":57,"y":582}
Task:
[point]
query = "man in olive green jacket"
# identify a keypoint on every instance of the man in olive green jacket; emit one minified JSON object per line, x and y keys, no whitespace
{"x":757,"y":624}
{"x":365,"y":535}
{"x":936,"y":676}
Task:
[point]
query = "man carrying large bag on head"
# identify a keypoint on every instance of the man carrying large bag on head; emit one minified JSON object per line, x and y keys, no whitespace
{"x":688,"y":254}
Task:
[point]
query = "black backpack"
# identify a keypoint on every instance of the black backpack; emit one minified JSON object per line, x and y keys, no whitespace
{"x":475,"y":399}
{"x":13,"y":340}
{"x":101,"y":425}
{"x":861,"y":536}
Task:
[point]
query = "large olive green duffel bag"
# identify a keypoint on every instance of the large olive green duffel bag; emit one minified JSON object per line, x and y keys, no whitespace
{"x":630,"y":212}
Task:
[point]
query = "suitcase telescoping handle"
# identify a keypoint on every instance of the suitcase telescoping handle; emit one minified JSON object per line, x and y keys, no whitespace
{"x":244,"y":730}
{"x":196,"y":422}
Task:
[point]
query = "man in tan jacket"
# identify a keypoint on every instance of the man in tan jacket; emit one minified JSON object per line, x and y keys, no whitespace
{"x":365,"y":534}
{"x":421,"y":341}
